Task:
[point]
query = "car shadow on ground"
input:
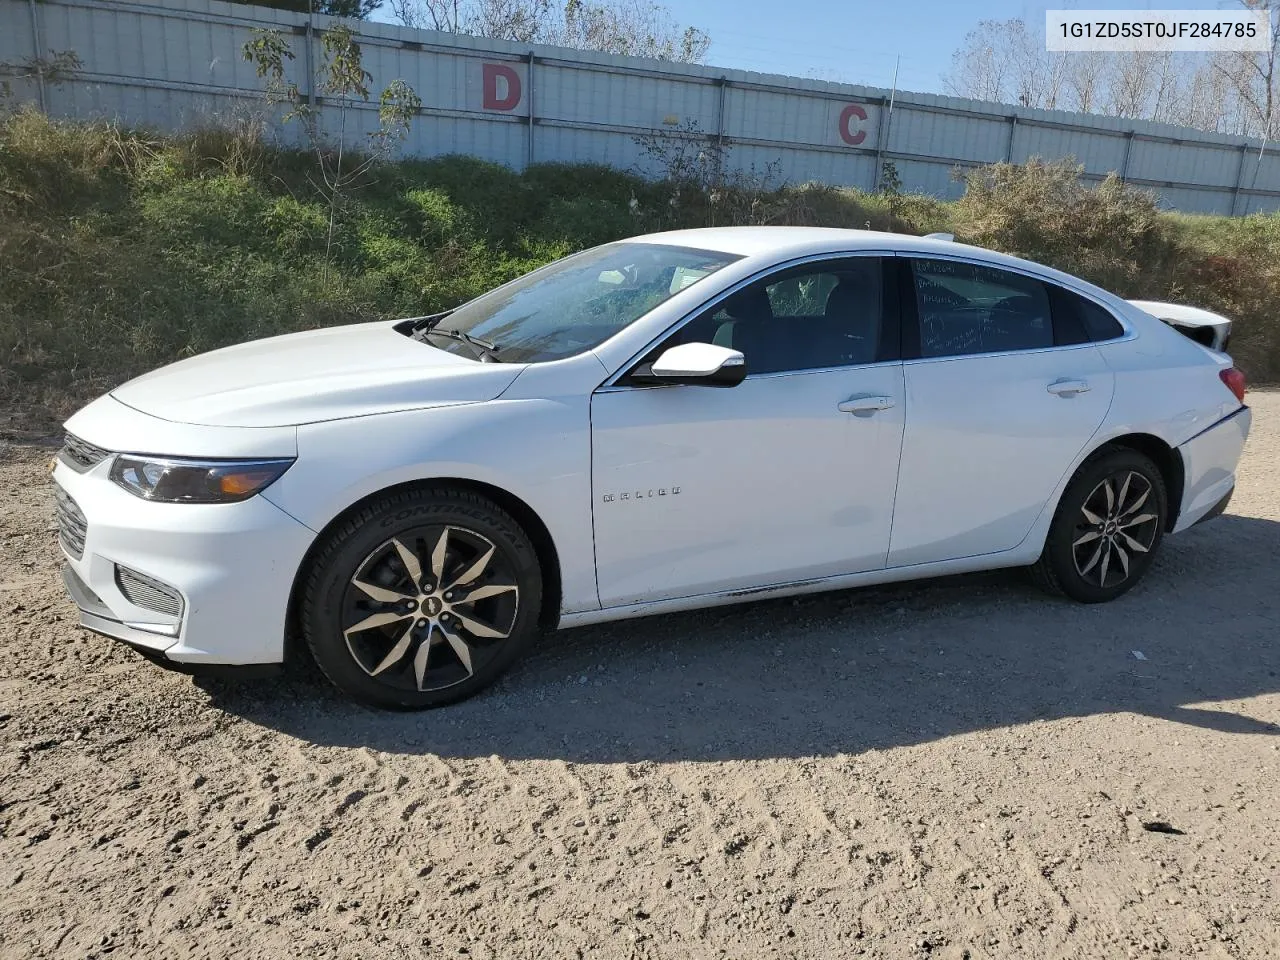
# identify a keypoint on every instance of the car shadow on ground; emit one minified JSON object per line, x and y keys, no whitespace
{"x":851,"y":671}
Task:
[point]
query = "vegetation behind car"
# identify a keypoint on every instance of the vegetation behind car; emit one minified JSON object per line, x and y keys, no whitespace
{"x":123,"y":250}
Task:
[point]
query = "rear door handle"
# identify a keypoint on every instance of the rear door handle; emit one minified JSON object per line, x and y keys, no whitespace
{"x":867,"y":404}
{"x":1068,"y":388}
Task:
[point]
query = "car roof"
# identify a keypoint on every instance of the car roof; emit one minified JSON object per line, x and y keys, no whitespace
{"x":779,"y":242}
{"x":776,"y":244}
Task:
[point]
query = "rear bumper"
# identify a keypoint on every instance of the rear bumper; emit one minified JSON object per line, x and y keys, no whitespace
{"x":1209,"y":462}
{"x":1219,"y":508}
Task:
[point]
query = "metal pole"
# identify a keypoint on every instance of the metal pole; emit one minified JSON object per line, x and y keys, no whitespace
{"x":1128,"y":152}
{"x":308,"y":62}
{"x":1013,"y":129}
{"x":35,"y":55}
{"x":529,"y":156}
{"x":1235,"y":194}
{"x":875,"y":174}
{"x":724,"y":85}
{"x":886,"y":125}
{"x":1262,"y":151}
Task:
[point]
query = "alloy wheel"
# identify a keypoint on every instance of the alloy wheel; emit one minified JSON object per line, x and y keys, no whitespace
{"x":1118,"y":520}
{"x":427,"y":608}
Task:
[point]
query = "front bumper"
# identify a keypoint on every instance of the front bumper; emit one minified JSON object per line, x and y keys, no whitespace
{"x":96,"y":616}
{"x":233,"y":564}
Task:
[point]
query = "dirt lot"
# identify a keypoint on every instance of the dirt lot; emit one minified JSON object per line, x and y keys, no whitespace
{"x":953,"y":769}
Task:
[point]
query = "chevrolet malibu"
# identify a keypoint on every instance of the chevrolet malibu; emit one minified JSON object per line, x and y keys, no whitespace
{"x":675,"y":421}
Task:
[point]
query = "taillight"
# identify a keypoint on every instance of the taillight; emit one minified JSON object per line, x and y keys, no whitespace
{"x":1234,"y":380}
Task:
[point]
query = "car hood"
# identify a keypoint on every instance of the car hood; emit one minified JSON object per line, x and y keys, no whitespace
{"x":318,"y":375}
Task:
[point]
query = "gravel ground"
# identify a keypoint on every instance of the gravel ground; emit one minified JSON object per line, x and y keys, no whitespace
{"x":958,"y":768}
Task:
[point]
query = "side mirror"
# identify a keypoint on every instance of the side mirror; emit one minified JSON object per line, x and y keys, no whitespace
{"x":696,"y":364}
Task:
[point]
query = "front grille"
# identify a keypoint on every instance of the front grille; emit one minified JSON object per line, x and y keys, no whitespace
{"x":72,"y":525}
{"x":80,"y":455}
{"x":143,"y":591}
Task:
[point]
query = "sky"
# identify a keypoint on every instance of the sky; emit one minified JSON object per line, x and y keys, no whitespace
{"x":859,"y":41}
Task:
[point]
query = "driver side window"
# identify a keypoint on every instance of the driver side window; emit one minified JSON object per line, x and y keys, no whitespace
{"x":812,"y":317}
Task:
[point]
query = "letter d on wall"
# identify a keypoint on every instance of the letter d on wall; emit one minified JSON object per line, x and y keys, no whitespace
{"x":501,"y":87}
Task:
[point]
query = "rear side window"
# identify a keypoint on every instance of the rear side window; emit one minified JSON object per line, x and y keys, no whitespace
{"x":1080,"y":320}
{"x":967,"y":308}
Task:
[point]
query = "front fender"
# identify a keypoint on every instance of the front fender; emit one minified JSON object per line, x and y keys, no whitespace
{"x":536,"y":450}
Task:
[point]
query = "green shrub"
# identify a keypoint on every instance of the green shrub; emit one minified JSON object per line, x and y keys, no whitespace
{"x":1111,"y":234}
{"x":219,"y":210}
{"x":435,"y":216}
{"x":572,"y":180}
{"x":584,"y":222}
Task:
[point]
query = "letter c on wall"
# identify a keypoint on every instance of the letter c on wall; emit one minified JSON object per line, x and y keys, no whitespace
{"x":493,"y":72}
{"x":847,"y":133}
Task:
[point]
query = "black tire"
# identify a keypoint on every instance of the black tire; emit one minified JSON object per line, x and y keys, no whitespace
{"x":362,"y":556}
{"x":1125,"y":549}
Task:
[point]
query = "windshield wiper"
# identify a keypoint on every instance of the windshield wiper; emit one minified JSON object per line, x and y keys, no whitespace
{"x":487,"y":348}
{"x":417,"y":324}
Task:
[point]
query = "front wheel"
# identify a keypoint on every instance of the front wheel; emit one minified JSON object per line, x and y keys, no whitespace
{"x":1107,"y":527}
{"x":421,"y":598}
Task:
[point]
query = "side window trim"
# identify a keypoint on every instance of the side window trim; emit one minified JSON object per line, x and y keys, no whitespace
{"x":890,"y":318}
{"x":910,"y":316}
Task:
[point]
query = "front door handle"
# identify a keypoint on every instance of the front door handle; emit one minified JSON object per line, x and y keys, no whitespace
{"x":1068,"y":388}
{"x":868,"y":404}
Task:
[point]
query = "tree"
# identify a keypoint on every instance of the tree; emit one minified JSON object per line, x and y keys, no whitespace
{"x":640,"y":28}
{"x":980,"y":69}
{"x":1252,"y":75}
{"x":1131,"y":83}
{"x":1238,"y":92}
{"x":1085,"y":80}
{"x":342,"y":80}
{"x":520,"y":21}
{"x":351,"y":9}
{"x":637,"y":28}
{"x":1001,"y":61}
{"x":59,"y":67}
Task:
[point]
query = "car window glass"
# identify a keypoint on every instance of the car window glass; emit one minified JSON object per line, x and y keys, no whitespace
{"x":967,"y":308}
{"x":801,"y":296}
{"x":576,"y":303}
{"x":804,"y":319}
{"x":1097,"y":321}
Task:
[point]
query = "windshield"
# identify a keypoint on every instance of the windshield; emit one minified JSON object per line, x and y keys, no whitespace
{"x":573,"y":304}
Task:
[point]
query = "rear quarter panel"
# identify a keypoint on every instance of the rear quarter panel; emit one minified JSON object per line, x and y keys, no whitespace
{"x":1166,"y":385}
{"x":1210,"y":461}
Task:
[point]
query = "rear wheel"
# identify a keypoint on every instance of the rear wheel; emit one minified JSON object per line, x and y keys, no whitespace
{"x":421,"y":598}
{"x":1107,"y":527}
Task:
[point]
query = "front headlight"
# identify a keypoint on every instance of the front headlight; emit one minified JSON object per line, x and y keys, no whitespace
{"x":174,"y":480}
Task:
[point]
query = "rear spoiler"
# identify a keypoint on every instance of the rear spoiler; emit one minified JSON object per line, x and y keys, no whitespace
{"x":1209,"y":329}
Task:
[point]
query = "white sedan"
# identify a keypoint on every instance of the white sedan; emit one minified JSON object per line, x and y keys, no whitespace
{"x":675,"y":421}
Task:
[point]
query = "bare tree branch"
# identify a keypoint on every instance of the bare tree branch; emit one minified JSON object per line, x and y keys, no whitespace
{"x":1236,"y":92}
{"x":640,"y":28}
